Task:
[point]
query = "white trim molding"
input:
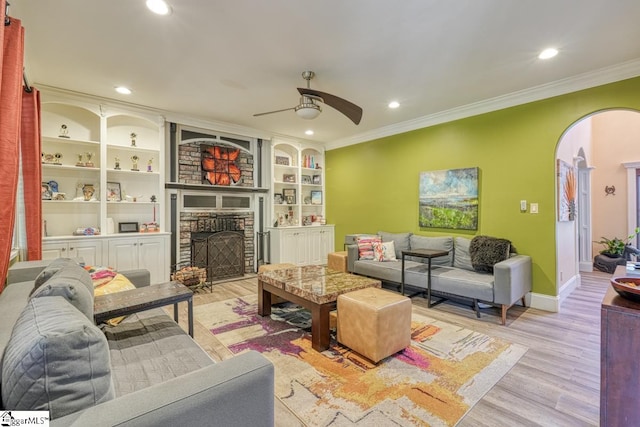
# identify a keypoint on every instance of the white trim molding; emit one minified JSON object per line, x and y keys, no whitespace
{"x":550,"y":302}
{"x":631,"y":194}
{"x":615,"y":73}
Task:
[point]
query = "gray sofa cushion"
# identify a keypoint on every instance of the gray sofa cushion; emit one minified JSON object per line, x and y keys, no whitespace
{"x":72,"y":283}
{"x":149,"y":348}
{"x":56,"y":360}
{"x":461,"y":256}
{"x":400,"y":241}
{"x":51,"y":269}
{"x":440,"y":243}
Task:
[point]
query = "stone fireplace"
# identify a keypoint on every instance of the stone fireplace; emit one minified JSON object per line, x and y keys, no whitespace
{"x":216,"y":203}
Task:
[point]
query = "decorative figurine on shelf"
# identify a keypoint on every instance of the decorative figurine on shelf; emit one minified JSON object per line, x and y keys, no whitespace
{"x":64,"y":131}
{"x":88,"y":190}
{"x":134,"y":160}
{"x":58,"y":158}
{"x":80,"y":162}
{"x":153,"y":200}
{"x":47,"y":158}
{"x":88,"y":163}
{"x":133,"y":139}
{"x":149,"y":163}
{"x":117,"y":166}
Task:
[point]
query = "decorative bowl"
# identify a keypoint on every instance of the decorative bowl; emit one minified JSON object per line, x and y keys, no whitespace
{"x":627,"y":287}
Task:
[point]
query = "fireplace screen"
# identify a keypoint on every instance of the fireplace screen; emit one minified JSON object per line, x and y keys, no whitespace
{"x":220,"y":253}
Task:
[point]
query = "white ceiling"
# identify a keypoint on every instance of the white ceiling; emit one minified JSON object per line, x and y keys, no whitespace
{"x":226,"y":60}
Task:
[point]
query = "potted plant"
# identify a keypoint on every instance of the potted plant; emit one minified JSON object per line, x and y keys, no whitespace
{"x":614,"y":248}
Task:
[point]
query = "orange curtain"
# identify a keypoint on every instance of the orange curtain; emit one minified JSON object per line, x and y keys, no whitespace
{"x":11,"y":61}
{"x":30,"y":148}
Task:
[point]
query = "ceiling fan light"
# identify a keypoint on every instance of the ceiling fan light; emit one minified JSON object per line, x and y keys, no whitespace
{"x":308,"y":111}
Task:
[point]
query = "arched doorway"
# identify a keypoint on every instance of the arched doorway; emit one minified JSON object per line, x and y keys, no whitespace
{"x":604,"y":150}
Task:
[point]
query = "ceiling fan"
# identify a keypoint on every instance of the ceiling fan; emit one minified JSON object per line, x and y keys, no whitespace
{"x":309,"y":99}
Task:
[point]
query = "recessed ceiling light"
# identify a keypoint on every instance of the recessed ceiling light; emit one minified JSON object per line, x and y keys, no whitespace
{"x":160,"y":7}
{"x":394,"y":104}
{"x":123,"y":90}
{"x":548,"y":53}
{"x":308,"y":132}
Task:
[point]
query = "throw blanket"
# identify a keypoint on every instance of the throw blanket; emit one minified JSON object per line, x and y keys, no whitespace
{"x":486,"y":251}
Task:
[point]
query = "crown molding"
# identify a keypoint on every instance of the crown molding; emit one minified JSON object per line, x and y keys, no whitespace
{"x":587,"y":80}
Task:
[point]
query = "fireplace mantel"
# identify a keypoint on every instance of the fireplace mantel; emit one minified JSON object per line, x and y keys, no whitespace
{"x":214,"y":188}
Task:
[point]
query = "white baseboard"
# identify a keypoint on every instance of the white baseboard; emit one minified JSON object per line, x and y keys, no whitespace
{"x":550,"y":302}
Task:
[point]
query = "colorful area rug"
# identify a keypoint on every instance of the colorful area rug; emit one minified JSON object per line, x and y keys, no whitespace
{"x":434,"y":382}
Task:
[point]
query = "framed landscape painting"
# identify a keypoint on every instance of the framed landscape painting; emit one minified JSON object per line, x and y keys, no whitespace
{"x":449,"y":199}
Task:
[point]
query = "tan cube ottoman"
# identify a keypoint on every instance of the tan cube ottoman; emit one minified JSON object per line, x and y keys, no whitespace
{"x":275,"y":299}
{"x":337,"y":261}
{"x":374,"y":322}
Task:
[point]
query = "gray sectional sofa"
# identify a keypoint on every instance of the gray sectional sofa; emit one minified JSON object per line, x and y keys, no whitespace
{"x":146,"y":371}
{"x":450,"y":275}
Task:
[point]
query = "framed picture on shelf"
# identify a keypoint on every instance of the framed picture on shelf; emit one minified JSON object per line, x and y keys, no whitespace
{"x":45,"y":191}
{"x":282,"y":160}
{"x":277,"y":199}
{"x":306,"y":179}
{"x":288,"y":177}
{"x":317,"y":179}
{"x":316,"y":197}
{"x":289,"y":195}
{"x":113,"y":192}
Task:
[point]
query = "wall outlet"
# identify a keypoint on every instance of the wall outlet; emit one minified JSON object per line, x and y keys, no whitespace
{"x":534,"y":208}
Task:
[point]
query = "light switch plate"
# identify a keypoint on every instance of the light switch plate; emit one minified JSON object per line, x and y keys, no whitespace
{"x":534,"y":208}
{"x":523,"y":205}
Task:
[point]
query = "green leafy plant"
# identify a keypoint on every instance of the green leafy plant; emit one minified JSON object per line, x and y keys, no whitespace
{"x":616,"y":246}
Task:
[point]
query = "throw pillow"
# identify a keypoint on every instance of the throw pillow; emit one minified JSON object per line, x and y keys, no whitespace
{"x":55,"y":360}
{"x":365,"y":247}
{"x":487,"y":251}
{"x":400,"y":241}
{"x":384,"y":251}
{"x":70,"y":283}
{"x":117,"y":284}
{"x":100,"y":275}
{"x":48,"y":272}
{"x":461,"y":256}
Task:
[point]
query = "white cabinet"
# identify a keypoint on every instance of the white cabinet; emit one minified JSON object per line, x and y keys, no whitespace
{"x":301,"y":245}
{"x":89,"y":250}
{"x":141,"y":252}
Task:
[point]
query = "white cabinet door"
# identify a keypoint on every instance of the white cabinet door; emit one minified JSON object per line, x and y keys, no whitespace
{"x":319,"y":243}
{"x":90,"y":251}
{"x":123,"y":254}
{"x":151,"y":257}
{"x":293,"y":246}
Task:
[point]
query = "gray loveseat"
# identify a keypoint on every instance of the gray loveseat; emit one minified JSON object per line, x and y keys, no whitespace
{"x":452,"y":274}
{"x":146,"y":371}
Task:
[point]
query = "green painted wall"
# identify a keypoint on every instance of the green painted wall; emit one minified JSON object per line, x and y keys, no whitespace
{"x":373,"y":186}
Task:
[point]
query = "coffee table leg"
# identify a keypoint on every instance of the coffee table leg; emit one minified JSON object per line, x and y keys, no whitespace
{"x":320,"y":327}
{"x":190,"y":305}
{"x":264,"y":300}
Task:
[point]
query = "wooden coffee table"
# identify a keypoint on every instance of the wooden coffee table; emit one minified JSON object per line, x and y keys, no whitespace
{"x":313,"y":287}
{"x":123,"y":303}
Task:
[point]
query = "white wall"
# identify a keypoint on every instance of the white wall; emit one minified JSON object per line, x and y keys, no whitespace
{"x":579,"y":136}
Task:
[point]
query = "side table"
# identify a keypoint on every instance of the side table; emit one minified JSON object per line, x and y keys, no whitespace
{"x":429,"y":254}
{"x":145,"y":298}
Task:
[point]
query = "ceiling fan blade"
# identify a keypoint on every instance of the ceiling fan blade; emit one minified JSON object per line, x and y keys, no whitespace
{"x":349,"y":109}
{"x":276,"y":111}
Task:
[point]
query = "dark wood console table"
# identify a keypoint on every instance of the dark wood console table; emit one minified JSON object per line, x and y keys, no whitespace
{"x":429,"y":254}
{"x":145,"y":298}
{"x":620,"y":357}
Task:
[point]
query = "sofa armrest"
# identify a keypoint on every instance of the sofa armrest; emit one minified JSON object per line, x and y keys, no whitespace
{"x":352,"y":257}
{"x":139,"y":278}
{"x":236,"y":392}
{"x":512,"y":279}
{"x":25,"y":271}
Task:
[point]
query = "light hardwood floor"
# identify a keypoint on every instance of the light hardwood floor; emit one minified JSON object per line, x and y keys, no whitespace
{"x":556,"y":383}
